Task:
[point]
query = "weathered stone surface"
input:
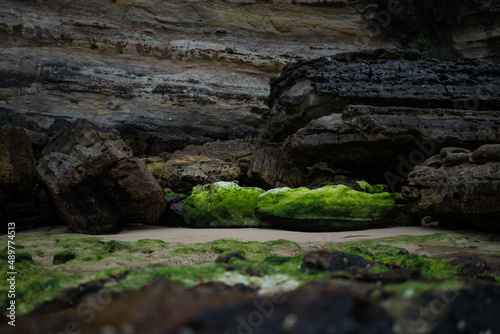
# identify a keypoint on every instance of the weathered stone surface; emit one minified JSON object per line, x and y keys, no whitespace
{"x":249,"y":162}
{"x":390,"y":140}
{"x":95,"y":182}
{"x":222,"y":204}
{"x":199,"y":165}
{"x":457,"y":187}
{"x":268,"y":168}
{"x":10,"y":117}
{"x":307,"y":90}
{"x":331,"y":208}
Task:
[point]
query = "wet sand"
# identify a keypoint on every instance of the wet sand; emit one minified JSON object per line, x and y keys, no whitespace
{"x":190,"y":236}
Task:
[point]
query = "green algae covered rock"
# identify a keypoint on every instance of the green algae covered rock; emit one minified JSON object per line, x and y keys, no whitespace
{"x":222,"y":204}
{"x":331,"y":208}
{"x":372,"y":189}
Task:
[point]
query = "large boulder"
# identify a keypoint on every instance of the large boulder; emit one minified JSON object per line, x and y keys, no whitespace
{"x":330,"y":208}
{"x":457,"y":187}
{"x":222,"y":204}
{"x":268,"y":168}
{"x":200,"y":165}
{"x":96,"y":183}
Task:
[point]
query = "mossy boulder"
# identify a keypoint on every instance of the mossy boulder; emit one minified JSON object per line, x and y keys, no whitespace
{"x":331,"y":208}
{"x":222,"y":204}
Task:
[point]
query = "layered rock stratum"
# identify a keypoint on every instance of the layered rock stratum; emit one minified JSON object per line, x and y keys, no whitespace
{"x":195,"y":69}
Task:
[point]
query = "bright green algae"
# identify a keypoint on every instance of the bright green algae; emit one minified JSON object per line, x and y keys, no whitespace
{"x":330,"y":208}
{"x":222,"y":204}
{"x":372,"y":189}
{"x":139,"y":263}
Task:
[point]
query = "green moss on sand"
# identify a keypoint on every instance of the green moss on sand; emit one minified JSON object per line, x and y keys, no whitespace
{"x":331,"y":208}
{"x":250,"y":249}
{"x":222,"y":204}
{"x":64,"y":256}
{"x":142,"y":262}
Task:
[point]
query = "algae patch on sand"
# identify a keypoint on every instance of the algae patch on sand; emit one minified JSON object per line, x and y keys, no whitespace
{"x":269,"y":266}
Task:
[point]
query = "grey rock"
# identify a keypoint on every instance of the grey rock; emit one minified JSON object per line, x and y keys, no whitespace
{"x":456,"y":189}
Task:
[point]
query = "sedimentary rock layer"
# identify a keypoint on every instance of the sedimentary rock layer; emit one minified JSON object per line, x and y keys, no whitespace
{"x":185,"y":67}
{"x":389,"y":141}
{"x":311,"y":89}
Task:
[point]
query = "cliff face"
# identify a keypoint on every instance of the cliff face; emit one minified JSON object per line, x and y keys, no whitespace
{"x":176,"y":76}
{"x":195,"y":68}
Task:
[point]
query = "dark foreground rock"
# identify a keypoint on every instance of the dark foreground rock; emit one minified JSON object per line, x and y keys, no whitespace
{"x":95,"y":182}
{"x":317,"y":307}
{"x":166,"y":307}
{"x":22,"y":199}
{"x":458,"y":187}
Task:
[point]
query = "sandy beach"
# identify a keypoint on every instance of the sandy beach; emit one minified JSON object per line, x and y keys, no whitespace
{"x":190,"y":236}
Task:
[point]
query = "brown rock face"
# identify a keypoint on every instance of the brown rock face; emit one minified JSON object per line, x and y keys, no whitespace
{"x":458,"y":187}
{"x":95,"y":182}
